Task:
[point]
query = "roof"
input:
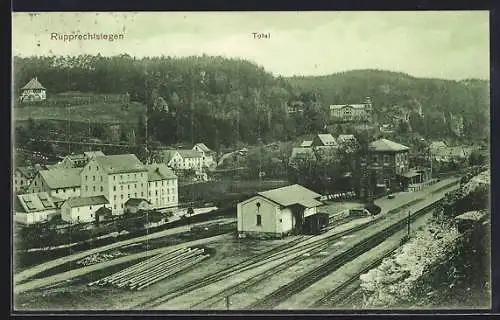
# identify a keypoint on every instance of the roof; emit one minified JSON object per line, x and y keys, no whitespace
{"x":189,"y":153}
{"x":387,"y":145}
{"x":120,"y":163}
{"x":290,"y":195}
{"x":79,"y":156}
{"x":410,"y":174}
{"x":33,"y":202}
{"x":346,"y":137}
{"x":135,"y":201}
{"x":61,"y":177}
{"x":33,"y":84}
{"x":104,"y":211}
{"x":86,"y":201}
{"x":306,"y":143}
{"x":203,"y":147}
{"x":327,"y":139}
{"x":438,"y":144}
{"x":354,"y":106}
{"x":168,"y":154}
{"x":158,"y":172}
{"x":28,"y":172}
{"x":90,"y":154}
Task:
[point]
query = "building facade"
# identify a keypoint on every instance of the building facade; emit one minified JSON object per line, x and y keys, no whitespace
{"x":33,"y":91}
{"x":60,"y":183}
{"x":78,"y":160}
{"x":184,"y":159}
{"x":382,"y":167}
{"x":23,"y":176}
{"x":117,"y":177}
{"x":34,"y":208}
{"x":277,"y":212}
{"x":82,"y":209}
{"x":352,"y":112}
{"x":208,"y":159}
{"x":162,"y":186}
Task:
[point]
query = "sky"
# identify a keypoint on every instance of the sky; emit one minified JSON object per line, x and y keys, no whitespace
{"x":433,"y":44}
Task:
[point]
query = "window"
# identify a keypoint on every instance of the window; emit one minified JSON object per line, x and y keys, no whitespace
{"x":121,"y":196}
{"x":386,"y":158}
{"x":114,"y":188}
{"x":86,"y":188}
{"x":281,"y":220}
{"x":114,"y":197}
{"x":93,"y":178}
{"x":86,"y":178}
{"x":135,"y":194}
{"x":135,"y":185}
{"x":375,"y":158}
{"x":156,"y":192}
{"x":101,"y":178}
{"x":57,"y":190}
{"x":259,"y":220}
{"x":102,"y":188}
{"x":135,"y":175}
{"x":114,"y":178}
{"x":91,"y":215}
{"x":114,"y":206}
{"x":90,"y":208}
{"x":97,"y":167}
{"x":128,"y":187}
{"x":121,"y":187}
{"x":77,"y":218}
{"x":35,"y":183}
{"x":128,"y":195}
{"x":74,"y":189}
{"x":142,"y":194}
{"x":93,"y":188}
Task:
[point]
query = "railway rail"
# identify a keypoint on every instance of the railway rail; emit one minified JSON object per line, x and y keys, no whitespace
{"x":283,"y":293}
{"x":278,"y":253}
{"x":293,"y":247}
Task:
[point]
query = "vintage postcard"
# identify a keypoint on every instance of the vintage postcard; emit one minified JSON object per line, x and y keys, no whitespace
{"x":251,"y":160}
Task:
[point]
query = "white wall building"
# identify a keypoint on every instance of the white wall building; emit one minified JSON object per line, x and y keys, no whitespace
{"x":78,"y":210}
{"x":207,"y":154}
{"x":33,"y":91}
{"x":34,"y":208}
{"x":162,"y":186}
{"x":276,"y":212}
{"x":117,"y":177}
{"x":60,"y":183}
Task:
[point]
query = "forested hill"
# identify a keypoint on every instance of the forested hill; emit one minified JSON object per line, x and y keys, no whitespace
{"x":225,"y":101}
{"x":439,"y":98}
{"x":212,"y":99}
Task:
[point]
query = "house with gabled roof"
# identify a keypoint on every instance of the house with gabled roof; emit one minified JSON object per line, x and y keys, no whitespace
{"x":182,"y":159}
{"x":324,"y":140}
{"x":207,"y":154}
{"x":277,"y":212}
{"x":116,"y":177}
{"x":34,"y":208}
{"x":79,"y":160}
{"x":33,"y":91}
{"x":23,"y":177}
{"x":82,"y":209}
{"x":61,"y":183}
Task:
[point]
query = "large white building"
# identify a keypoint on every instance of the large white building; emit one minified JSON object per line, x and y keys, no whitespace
{"x":184,"y":159}
{"x":276,"y":212}
{"x":162,"y":186}
{"x":117,"y":177}
{"x":208,"y":159}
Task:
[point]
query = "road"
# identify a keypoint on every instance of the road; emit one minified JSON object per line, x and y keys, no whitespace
{"x":28,"y":273}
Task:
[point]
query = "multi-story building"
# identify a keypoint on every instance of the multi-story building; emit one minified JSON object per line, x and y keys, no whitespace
{"x":382,"y":167}
{"x":162,"y":186}
{"x":23,"y":177}
{"x":352,"y":112}
{"x":182,"y":159}
{"x":59,"y":183}
{"x":117,"y":177}
{"x":206,"y":154}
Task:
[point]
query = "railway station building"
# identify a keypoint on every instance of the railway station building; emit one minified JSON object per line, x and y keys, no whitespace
{"x":278,"y":212}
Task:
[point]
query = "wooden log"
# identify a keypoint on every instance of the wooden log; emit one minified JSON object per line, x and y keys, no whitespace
{"x":161,"y":277}
{"x":142,"y":265}
{"x":161,"y":267}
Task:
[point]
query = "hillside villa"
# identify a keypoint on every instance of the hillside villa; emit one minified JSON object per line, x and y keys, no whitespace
{"x":33,"y":91}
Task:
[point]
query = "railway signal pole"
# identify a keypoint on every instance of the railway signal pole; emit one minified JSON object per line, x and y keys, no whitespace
{"x":228,"y":303}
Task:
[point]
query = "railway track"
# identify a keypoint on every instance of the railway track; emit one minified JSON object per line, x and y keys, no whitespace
{"x":293,"y":247}
{"x":283,"y":293}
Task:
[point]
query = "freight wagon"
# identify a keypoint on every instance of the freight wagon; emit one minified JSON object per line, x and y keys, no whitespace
{"x":316,"y":224}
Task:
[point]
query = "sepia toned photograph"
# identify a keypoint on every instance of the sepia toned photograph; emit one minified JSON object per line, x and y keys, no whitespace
{"x":251,"y":161}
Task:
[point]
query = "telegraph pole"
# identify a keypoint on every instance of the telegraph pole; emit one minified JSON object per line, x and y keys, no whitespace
{"x":409,"y":215}
{"x":228,"y":303}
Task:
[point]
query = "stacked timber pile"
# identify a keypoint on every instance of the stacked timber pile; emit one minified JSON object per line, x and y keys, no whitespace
{"x":99,"y":257}
{"x":154,"y":269}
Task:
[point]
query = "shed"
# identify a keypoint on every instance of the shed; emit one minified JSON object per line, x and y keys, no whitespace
{"x":277,"y":212}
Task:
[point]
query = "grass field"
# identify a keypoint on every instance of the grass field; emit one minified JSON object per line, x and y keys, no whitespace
{"x":97,"y":113}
